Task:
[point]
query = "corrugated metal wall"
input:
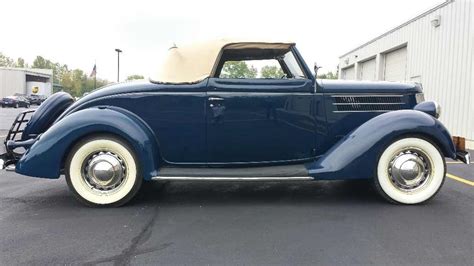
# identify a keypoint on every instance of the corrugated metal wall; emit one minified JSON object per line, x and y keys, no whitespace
{"x":11,"y":82}
{"x":441,"y":58}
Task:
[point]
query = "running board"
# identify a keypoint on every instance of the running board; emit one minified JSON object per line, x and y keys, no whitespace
{"x":268,"y":173}
{"x":222,"y":178}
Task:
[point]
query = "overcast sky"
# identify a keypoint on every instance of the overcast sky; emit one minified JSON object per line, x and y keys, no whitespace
{"x":77,"y":33}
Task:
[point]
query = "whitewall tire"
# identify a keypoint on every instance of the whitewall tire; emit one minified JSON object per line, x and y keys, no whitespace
{"x":103,"y":171}
{"x":410,"y":171}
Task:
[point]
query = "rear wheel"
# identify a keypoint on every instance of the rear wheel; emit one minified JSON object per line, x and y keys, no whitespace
{"x":410,"y":171}
{"x":16,"y":105}
{"x":103,"y":171}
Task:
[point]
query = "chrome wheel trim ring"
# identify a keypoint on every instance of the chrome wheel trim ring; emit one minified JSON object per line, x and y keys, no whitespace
{"x":104,"y":171}
{"x":410,"y":169}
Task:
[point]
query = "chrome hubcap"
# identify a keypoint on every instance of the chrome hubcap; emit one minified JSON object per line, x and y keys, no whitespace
{"x":104,"y":171}
{"x":410,"y":169}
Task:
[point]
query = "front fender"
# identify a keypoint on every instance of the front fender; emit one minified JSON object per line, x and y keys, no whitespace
{"x":46,"y":156}
{"x":356,"y":155}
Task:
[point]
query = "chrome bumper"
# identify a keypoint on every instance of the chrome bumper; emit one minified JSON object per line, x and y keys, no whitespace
{"x":6,"y":163}
{"x":9,"y":159}
{"x":463,"y":156}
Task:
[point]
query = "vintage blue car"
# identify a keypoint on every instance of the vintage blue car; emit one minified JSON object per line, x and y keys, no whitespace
{"x":198,"y":121}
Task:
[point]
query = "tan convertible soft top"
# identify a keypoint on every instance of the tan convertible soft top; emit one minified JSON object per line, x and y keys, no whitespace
{"x":193,"y":63}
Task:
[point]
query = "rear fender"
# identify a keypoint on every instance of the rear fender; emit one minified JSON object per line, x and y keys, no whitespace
{"x":46,"y":156}
{"x":356,"y":155}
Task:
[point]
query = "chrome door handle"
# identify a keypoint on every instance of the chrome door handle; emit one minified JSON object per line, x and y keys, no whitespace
{"x":215,"y":99}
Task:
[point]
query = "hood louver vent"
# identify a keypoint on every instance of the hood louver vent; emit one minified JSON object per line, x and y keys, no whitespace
{"x":363,"y":103}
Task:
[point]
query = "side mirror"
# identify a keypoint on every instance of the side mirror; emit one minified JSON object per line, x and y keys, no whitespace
{"x":316,"y":68}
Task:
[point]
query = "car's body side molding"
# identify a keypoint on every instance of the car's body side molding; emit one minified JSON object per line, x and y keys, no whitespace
{"x":356,"y":155}
{"x":46,"y":156}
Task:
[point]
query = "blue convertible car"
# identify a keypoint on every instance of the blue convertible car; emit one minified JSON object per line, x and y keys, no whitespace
{"x":210,"y":116}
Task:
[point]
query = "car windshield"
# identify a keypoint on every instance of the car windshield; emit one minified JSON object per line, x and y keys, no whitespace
{"x":293,"y":66}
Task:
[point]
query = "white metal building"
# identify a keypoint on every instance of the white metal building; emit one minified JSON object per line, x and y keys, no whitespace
{"x":436,"y":49}
{"x":25,"y":81}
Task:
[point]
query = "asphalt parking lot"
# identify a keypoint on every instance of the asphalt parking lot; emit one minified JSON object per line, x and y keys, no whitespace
{"x":310,"y":223}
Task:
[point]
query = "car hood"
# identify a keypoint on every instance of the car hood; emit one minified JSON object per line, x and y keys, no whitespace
{"x":369,"y":87}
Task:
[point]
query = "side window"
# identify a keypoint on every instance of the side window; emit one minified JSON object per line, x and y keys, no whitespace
{"x":251,"y":69}
{"x":258,"y":64}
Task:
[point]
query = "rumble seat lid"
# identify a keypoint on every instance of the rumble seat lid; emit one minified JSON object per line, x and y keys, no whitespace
{"x":195,"y":62}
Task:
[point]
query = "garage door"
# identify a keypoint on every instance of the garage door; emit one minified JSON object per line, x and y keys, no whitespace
{"x":396,"y":65}
{"x":348,"y":73}
{"x":367,"y":70}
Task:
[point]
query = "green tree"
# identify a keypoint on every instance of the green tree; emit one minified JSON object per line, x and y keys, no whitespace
{"x":59,"y":71}
{"x":271,"y":72}
{"x":78,"y":82}
{"x":328,"y":75}
{"x":6,"y":61}
{"x":238,"y":70}
{"x":20,"y":62}
{"x":134,"y":77}
{"x":41,"y":62}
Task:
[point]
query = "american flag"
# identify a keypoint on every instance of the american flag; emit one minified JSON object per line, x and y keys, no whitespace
{"x":94,"y":71}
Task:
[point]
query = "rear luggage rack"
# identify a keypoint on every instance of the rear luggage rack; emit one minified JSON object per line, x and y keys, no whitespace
{"x":16,"y":132}
{"x":14,"y":139}
{"x":19,"y":125}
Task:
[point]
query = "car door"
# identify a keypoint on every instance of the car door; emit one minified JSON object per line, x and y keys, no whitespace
{"x":256,"y":114}
{"x":256,"y":121}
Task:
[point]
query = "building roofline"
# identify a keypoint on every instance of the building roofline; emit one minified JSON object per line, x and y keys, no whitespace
{"x":31,"y":71}
{"x":447,"y":2}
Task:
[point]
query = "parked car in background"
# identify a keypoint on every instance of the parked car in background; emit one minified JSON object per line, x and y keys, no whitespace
{"x":36,"y":99}
{"x":196,"y":121}
{"x":15,"y":101}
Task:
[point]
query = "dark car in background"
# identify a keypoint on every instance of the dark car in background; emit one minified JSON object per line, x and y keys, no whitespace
{"x":15,"y":101}
{"x":36,"y":99}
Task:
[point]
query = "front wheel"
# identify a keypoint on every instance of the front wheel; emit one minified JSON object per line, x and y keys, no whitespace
{"x":103,"y":171}
{"x":410,"y":171}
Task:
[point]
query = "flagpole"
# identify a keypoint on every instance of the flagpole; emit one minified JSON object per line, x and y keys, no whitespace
{"x":95,"y":76}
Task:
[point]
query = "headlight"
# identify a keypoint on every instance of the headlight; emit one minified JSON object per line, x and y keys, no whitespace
{"x":438,"y":109}
{"x":432,"y":108}
{"x":420,"y":97}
